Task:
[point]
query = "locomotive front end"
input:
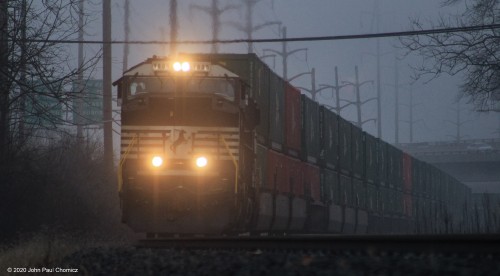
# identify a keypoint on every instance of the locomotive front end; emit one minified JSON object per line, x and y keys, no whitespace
{"x":180,"y":146}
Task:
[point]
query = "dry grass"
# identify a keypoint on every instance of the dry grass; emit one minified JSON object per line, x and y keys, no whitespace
{"x":38,"y":251}
{"x":45,"y":249}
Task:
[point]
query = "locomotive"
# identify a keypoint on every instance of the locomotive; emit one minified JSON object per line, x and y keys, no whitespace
{"x":219,"y":144}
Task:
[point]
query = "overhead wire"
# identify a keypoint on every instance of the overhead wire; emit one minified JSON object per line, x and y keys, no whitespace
{"x":276,"y":40}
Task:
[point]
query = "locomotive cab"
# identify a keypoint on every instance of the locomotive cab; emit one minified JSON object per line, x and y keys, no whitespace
{"x":180,"y":146}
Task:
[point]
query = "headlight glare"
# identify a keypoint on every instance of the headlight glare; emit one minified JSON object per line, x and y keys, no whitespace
{"x":201,"y":162}
{"x":177,"y":66}
{"x":185,"y":67}
{"x":157,"y":161}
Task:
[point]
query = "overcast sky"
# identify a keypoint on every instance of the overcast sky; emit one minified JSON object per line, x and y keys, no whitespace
{"x":436,"y":109}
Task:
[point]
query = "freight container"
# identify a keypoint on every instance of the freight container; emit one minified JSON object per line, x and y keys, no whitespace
{"x":372,"y":193}
{"x":312,"y":182}
{"x":371,"y":165}
{"x":295,"y":176}
{"x":332,"y":179}
{"x":310,"y":130}
{"x":276,"y":172}
{"x":293,"y":130}
{"x":408,"y":205}
{"x":359,"y":193}
{"x":329,"y":130}
{"x":398,"y":177}
{"x":276,"y":112}
{"x":346,"y":197}
{"x":345,"y":146}
{"x":330,"y":186}
{"x":358,"y":156}
{"x":261,"y":168}
{"x":394,"y":169}
{"x":257,"y":76}
{"x":382,"y":161}
{"x":407,"y":173}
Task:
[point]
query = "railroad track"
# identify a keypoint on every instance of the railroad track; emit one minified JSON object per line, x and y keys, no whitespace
{"x":364,"y":243}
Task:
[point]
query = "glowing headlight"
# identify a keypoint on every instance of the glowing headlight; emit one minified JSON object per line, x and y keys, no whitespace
{"x":181,"y":66}
{"x":201,"y":162}
{"x":177,"y":66}
{"x":185,"y":67}
{"x":157,"y":161}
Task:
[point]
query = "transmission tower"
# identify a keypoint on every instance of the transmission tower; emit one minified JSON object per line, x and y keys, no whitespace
{"x":284,"y":53}
{"x":249,"y":28}
{"x":126,"y":28}
{"x":174,"y":27}
{"x":215,"y":12}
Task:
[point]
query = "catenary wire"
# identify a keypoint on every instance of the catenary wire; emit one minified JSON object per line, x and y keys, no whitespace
{"x":275,"y":40}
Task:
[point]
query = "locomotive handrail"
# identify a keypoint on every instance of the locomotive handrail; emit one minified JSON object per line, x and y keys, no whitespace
{"x":122,"y":161}
{"x":234,"y":162}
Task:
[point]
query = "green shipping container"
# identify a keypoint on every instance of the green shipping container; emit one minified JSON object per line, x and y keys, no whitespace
{"x":329,"y":130}
{"x":395,"y":168}
{"x":330,"y":186}
{"x":359,"y":192}
{"x":371,"y":164}
{"x":257,"y":76}
{"x":371,"y":204}
{"x":346,"y":197}
{"x":358,"y":154}
{"x":310,"y":130}
{"x":382,"y":161}
{"x":345,"y":146}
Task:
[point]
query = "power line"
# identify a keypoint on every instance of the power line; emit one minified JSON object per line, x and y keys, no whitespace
{"x":275,"y":40}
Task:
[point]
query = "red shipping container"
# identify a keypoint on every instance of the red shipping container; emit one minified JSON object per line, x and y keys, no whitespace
{"x":407,"y":172}
{"x":292,"y":119}
{"x":276,"y":172}
{"x":312,"y":181}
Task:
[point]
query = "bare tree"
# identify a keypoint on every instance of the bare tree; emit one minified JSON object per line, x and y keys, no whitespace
{"x":474,"y":54}
{"x":35,"y":70}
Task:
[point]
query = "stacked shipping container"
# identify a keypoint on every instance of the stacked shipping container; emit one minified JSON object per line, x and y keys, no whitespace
{"x":310,"y":152}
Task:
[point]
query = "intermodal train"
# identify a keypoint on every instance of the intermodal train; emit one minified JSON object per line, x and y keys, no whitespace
{"x":219,"y":144}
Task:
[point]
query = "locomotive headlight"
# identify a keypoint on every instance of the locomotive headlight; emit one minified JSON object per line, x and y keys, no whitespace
{"x":177,"y":66}
{"x":156,"y":161}
{"x":201,"y":162}
{"x":181,"y":66}
{"x":185,"y":67}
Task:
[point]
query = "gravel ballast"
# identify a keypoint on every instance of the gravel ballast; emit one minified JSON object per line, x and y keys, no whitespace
{"x":146,"y":261}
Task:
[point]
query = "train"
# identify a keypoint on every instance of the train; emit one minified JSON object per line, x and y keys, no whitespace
{"x":219,"y":144}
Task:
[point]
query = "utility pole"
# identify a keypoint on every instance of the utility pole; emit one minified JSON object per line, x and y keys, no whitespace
{"x":106,"y":99}
{"x":215,"y":12}
{"x":336,"y":92}
{"x":313,"y":91}
{"x":80,"y":86}
{"x":126,"y":29}
{"x":458,"y":123}
{"x":162,"y":34}
{"x":411,"y":122}
{"x":249,"y":27}
{"x":174,"y":27}
{"x":285,"y":53}
{"x":357,"y":86}
{"x":396,"y":107}
{"x":379,"y":91}
{"x":411,"y":114}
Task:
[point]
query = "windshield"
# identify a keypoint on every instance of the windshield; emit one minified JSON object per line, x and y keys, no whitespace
{"x":218,"y":86}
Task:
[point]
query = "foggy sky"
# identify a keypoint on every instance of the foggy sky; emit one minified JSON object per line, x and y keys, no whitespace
{"x":436,"y":100}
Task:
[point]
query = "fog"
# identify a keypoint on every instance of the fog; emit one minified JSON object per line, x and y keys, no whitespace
{"x":434,"y":101}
